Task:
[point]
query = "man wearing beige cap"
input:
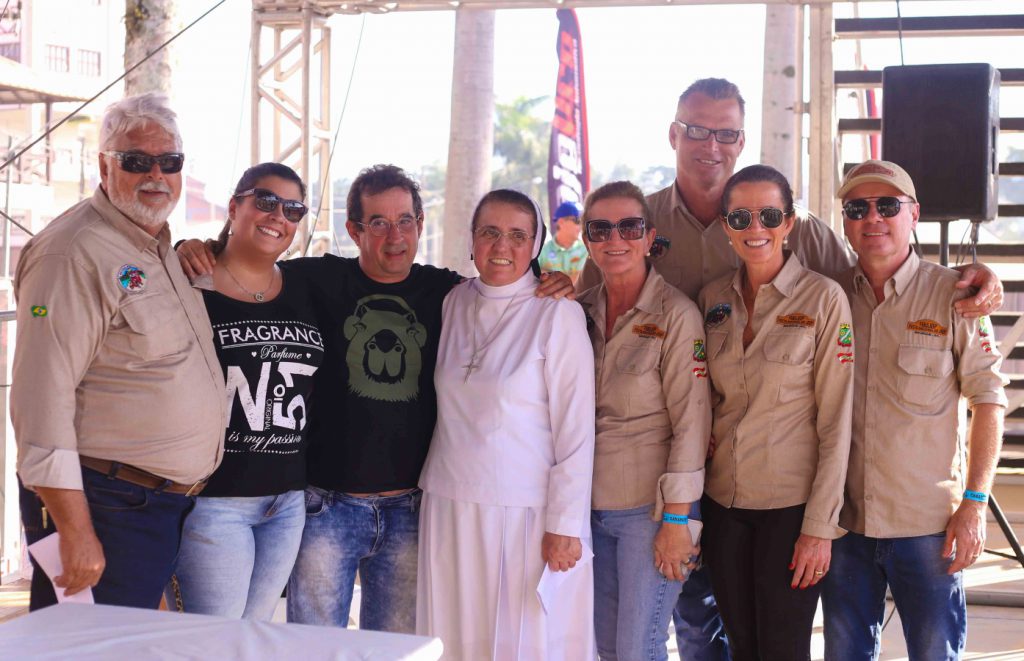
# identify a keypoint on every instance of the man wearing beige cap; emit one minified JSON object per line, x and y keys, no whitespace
{"x":117,"y":397}
{"x":916,"y":488}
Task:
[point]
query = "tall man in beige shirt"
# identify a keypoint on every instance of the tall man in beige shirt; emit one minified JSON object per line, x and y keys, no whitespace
{"x":916,"y":488}
{"x":117,"y":397}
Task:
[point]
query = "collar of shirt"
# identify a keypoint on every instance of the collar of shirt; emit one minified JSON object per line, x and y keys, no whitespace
{"x":651,"y":299}
{"x":140,"y":238}
{"x":900,"y":280}
{"x":557,"y":246}
{"x":784,"y":282}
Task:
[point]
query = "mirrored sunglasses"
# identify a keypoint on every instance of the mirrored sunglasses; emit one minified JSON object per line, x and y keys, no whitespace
{"x":887,"y":206}
{"x":267,"y":201}
{"x":740,"y":219}
{"x":138,"y":162}
{"x":630,"y":229}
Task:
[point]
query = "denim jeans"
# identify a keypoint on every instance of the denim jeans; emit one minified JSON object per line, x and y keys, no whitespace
{"x":931,"y":603}
{"x":700,"y":634}
{"x":632,"y":600}
{"x":374,"y":535}
{"x":139,"y":530}
{"x":237,"y":553}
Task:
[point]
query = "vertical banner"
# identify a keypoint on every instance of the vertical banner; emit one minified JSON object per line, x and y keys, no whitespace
{"x":569,"y":157}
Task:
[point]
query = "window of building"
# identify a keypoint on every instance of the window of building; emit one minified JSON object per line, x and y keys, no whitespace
{"x":58,"y":58}
{"x":88,"y":62}
{"x":11,"y":50}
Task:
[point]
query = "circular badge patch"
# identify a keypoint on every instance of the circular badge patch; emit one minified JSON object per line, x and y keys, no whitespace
{"x":131,"y":278}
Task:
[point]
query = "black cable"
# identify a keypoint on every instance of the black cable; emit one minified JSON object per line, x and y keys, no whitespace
{"x":23,"y":228}
{"x":4,"y":12}
{"x":892,"y":611}
{"x":51,"y":129}
{"x":334,"y":143}
{"x":899,"y":29}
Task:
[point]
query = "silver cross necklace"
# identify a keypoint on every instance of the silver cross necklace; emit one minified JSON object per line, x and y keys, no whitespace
{"x":473,"y":363}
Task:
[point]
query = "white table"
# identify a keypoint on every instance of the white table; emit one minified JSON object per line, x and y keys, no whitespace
{"x":82,"y":632}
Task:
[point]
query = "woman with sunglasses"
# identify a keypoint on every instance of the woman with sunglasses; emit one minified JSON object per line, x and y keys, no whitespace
{"x":653,"y":424}
{"x":506,"y":484}
{"x":780,"y":354}
{"x":240,"y":542}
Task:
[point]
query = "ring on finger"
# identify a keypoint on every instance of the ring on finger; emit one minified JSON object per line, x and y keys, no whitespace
{"x":819,"y":572}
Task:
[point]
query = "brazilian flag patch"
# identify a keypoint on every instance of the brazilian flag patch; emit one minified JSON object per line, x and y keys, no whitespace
{"x":39,"y":311}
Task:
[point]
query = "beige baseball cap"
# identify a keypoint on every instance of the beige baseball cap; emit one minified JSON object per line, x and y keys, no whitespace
{"x":885,"y":172}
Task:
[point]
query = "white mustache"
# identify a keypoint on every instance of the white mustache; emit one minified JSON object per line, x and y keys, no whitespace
{"x":158,"y":186}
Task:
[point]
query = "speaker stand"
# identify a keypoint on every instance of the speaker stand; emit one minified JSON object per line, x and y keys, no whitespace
{"x":997,"y":511}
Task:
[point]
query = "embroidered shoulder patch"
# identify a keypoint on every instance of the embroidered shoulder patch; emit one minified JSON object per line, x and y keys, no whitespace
{"x":700,"y":356}
{"x":845,"y":342}
{"x":131,"y":278}
{"x":927,"y":327}
{"x":985,"y":331}
{"x":717,"y":315}
{"x":796,"y":320}
{"x":39,"y":311}
{"x":648,"y":331}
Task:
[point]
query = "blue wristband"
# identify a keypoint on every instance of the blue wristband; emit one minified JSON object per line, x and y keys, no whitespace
{"x":976,"y":496}
{"x":680,"y":519}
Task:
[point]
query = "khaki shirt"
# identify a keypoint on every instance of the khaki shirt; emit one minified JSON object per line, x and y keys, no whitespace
{"x":698,"y":254}
{"x":653,"y":410}
{"x":782,"y":405}
{"x":115,"y":357}
{"x":917,"y":357}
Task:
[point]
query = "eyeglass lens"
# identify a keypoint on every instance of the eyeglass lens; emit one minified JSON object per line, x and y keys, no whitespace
{"x":382,"y":227}
{"x":858,"y":209}
{"x":740,"y":219}
{"x":140,"y":163}
{"x":630,"y":229}
{"x":492,"y":234}
{"x":723,"y":136}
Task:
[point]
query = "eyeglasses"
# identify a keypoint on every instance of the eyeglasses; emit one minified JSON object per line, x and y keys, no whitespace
{"x":723,"y":136}
{"x":267,"y":201}
{"x":491,"y":235}
{"x":740,"y":219}
{"x":630,"y":229}
{"x":887,"y":207}
{"x":138,"y":162}
{"x":382,"y":227}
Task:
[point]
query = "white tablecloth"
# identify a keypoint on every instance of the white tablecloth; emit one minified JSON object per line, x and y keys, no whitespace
{"x":82,"y":632}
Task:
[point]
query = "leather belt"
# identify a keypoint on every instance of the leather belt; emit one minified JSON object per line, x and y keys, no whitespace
{"x":140,"y":477}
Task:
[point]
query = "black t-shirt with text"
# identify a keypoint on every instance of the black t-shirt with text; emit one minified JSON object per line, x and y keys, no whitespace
{"x":374,"y":399}
{"x":270,"y":353}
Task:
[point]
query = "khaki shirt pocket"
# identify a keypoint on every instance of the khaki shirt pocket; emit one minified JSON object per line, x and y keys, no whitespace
{"x":636,"y":360}
{"x":922,"y":374}
{"x":152,"y":331}
{"x":786,"y":355}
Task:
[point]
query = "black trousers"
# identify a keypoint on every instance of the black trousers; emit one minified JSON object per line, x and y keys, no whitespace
{"x":748,"y":554}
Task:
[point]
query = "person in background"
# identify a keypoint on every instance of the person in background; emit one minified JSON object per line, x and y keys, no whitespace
{"x":653,"y":425}
{"x":117,"y":399}
{"x":564,"y":251}
{"x":240,"y":542}
{"x":506,"y":484}
{"x":916,"y":489}
{"x":780,"y":354}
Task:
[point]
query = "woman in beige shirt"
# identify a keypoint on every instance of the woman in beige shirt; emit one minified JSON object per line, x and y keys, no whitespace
{"x":780,"y":354}
{"x":653,"y":424}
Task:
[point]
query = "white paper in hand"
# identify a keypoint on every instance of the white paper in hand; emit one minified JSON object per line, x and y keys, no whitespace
{"x":551,"y":581}
{"x":47,"y":553}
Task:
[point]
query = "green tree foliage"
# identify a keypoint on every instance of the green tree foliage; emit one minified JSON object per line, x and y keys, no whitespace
{"x":521,"y":142}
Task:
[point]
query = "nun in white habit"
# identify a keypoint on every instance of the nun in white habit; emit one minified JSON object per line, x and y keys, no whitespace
{"x":507,"y":480}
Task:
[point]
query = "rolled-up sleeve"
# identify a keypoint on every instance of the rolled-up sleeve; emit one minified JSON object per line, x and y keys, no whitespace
{"x":685,"y":386}
{"x":979,"y":362}
{"x":61,"y":325}
{"x":833,"y":393}
{"x":569,"y":372}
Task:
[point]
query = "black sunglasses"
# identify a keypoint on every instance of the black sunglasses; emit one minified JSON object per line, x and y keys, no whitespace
{"x":267,"y":201}
{"x":138,"y":162}
{"x":887,"y":206}
{"x":630,"y":229}
{"x":740,"y":219}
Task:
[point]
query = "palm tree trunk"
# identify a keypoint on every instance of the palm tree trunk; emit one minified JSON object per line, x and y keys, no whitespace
{"x":149,"y":23}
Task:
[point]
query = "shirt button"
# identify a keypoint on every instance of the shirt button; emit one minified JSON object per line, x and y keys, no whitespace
{"x":871,"y":389}
{"x":874,"y":350}
{"x":785,"y":356}
{"x":868,"y":497}
{"x":927,"y":370}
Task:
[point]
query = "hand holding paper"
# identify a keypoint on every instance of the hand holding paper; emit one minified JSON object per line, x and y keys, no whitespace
{"x":47,"y":553}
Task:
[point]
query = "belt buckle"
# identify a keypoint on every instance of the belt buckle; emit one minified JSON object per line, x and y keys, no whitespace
{"x":196,"y":488}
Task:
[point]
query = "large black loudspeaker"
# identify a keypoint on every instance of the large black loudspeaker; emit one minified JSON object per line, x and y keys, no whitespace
{"x":940,"y":122}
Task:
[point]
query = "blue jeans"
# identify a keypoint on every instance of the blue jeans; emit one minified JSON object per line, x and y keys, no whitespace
{"x":632,"y":600}
{"x":139,"y":530}
{"x":700,"y":634}
{"x":931,"y":603}
{"x":376,"y":536}
{"x":237,"y":553}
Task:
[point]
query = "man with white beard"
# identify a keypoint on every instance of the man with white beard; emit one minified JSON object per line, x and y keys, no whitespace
{"x":117,"y":397}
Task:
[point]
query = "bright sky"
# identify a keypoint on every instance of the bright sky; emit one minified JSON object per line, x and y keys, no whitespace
{"x":637,"y":61}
